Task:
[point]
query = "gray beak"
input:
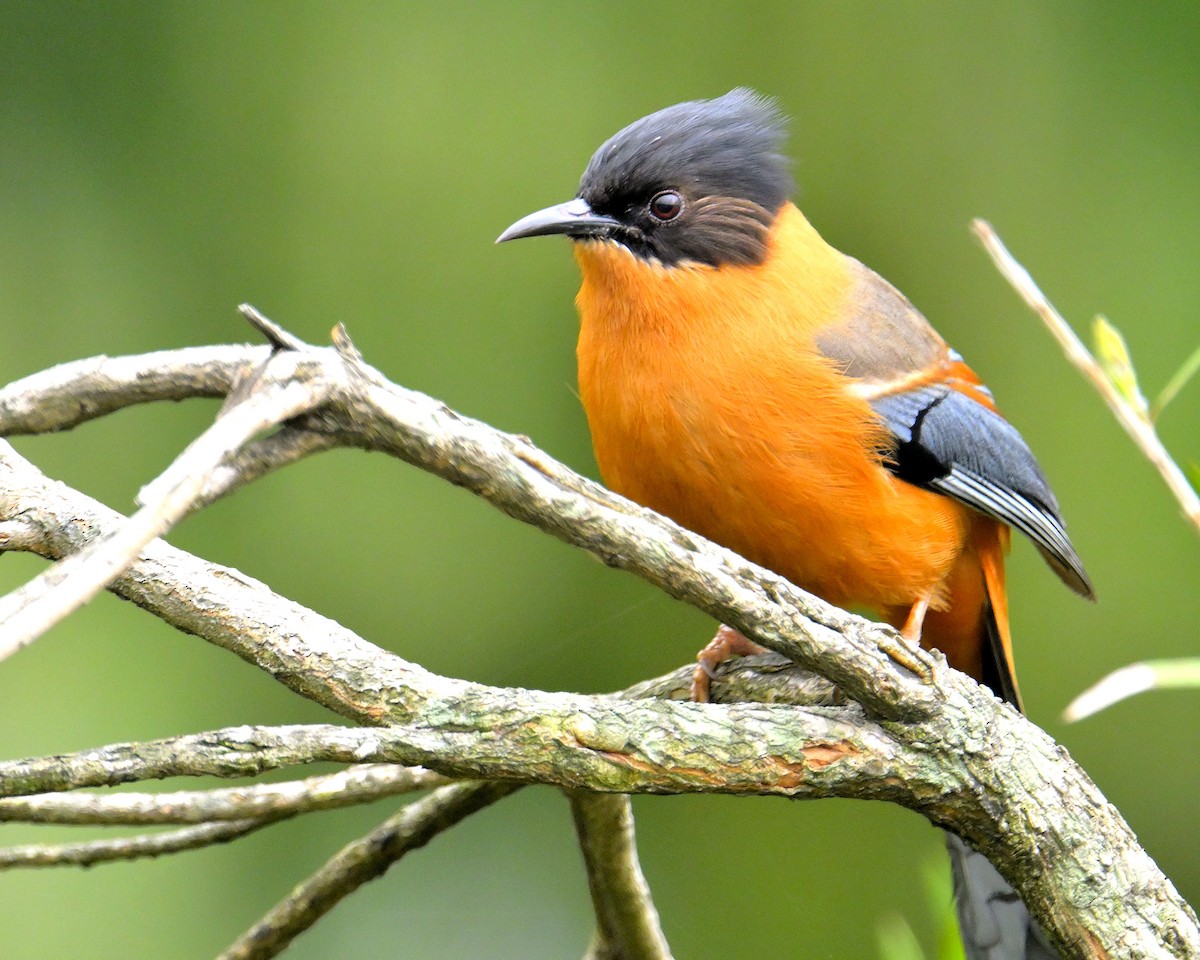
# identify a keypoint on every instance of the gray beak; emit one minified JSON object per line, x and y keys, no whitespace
{"x":575,"y":218}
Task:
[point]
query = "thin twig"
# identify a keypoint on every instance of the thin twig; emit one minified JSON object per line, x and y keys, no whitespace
{"x":358,"y":784}
{"x":244,"y":751}
{"x":279,"y":338}
{"x":1139,"y":428}
{"x":29,"y":611}
{"x":361,"y":861}
{"x":1138,"y":421}
{"x":627,"y":926}
{"x":92,"y":852}
{"x":262,"y":456}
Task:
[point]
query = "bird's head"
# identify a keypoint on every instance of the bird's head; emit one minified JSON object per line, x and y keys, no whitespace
{"x":697,"y":183}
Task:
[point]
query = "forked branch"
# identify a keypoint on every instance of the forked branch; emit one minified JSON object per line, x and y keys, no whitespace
{"x":913,"y":732}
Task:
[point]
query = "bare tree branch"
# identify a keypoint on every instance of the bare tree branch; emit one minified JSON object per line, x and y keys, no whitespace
{"x":19,"y":535}
{"x":34,"y":608}
{"x":358,"y":784}
{"x":627,"y":926}
{"x":868,"y":661}
{"x":73,"y":393}
{"x":260,"y":457}
{"x":361,"y":861}
{"x":923,"y":736}
{"x":93,"y":852}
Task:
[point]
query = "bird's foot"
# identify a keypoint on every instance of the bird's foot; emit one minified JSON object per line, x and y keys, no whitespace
{"x":727,"y":644}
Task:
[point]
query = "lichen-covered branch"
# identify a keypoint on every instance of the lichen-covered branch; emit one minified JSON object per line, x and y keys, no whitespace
{"x":978,"y":764}
{"x":627,"y":926}
{"x":916,"y":733}
{"x":89,"y":853}
{"x":569,"y":740}
{"x":362,"y":783}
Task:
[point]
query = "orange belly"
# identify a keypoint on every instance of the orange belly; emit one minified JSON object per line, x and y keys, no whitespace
{"x":708,"y":401}
{"x":818,"y":508}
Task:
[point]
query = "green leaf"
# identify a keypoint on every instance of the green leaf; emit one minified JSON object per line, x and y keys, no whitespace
{"x":1133,"y":679}
{"x":897,"y":940}
{"x":1177,"y":382}
{"x":1183,"y":672}
{"x":939,"y":892}
{"x":1114,"y":359}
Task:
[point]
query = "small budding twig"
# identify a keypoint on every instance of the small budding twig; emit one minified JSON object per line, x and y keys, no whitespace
{"x":1137,"y":424}
{"x":1117,"y":385}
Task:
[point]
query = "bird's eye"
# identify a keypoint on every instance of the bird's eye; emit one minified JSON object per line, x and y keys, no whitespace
{"x":666,"y":205}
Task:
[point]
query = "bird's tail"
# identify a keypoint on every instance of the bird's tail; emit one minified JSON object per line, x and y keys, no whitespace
{"x":992,"y":919}
{"x":972,"y":631}
{"x":993,"y":922}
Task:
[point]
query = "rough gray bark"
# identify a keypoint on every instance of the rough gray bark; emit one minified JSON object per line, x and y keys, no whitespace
{"x":626,"y":921}
{"x":904,"y":728}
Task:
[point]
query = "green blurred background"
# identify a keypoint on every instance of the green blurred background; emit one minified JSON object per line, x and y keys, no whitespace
{"x":162,"y":162}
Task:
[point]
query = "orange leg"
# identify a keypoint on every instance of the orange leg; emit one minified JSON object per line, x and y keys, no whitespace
{"x":911,"y":631}
{"x":726,"y":645}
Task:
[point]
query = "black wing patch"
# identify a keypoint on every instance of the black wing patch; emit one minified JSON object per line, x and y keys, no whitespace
{"x":947,"y":442}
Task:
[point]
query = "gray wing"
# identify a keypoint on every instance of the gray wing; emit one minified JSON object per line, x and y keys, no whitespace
{"x":948,"y":442}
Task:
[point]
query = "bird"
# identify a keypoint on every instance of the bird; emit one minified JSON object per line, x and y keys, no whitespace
{"x":759,"y":387}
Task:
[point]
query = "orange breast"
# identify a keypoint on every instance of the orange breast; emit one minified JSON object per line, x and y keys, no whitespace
{"x":708,"y":401}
